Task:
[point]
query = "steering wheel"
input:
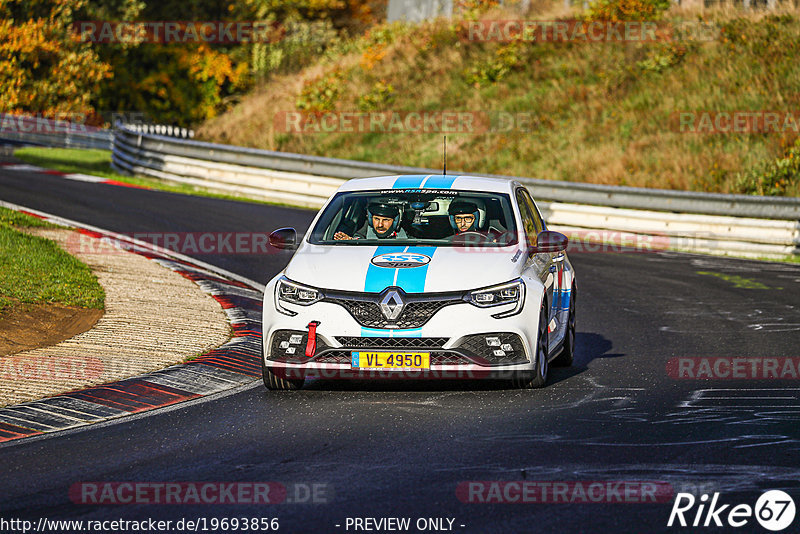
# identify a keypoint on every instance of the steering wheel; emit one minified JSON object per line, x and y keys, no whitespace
{"x":470,"y":237}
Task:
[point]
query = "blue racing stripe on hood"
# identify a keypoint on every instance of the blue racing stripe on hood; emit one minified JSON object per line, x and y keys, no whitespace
{"x":379,"y":278}
{"x":413,"y":280}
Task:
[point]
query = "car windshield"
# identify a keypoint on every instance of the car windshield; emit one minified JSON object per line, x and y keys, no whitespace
{"x":416,"y":217}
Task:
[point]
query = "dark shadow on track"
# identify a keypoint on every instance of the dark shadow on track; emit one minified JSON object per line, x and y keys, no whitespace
{"x":588,"y":346}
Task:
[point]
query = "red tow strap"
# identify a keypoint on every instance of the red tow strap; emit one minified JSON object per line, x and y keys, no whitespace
{"x":311,"y":345}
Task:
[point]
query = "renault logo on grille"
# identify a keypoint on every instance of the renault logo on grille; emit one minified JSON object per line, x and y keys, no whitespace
{"x":392,"y":305}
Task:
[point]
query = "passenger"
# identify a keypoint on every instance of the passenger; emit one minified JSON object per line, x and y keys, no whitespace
{"x":464,"y":216}
{"x":384,"y":223}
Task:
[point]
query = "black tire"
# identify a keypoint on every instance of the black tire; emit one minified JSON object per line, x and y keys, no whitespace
{"x":274,"y":382}
{"x":568,"y":351}
{"x":537,"y":378}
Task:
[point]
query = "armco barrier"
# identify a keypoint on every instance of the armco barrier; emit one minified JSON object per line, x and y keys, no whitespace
{"x":701,"y":222}
{"x":49,"y":132}
{"x":60,"y":133}
{"x":579,"y":193}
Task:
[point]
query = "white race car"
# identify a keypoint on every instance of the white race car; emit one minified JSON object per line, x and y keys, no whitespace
{"x":421,"y":277}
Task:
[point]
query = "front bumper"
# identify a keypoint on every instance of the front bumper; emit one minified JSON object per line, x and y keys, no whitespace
{"x":455,"y":336}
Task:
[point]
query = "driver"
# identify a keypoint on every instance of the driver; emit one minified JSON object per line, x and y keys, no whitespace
{"x":464,"y":216}
{"x":384,"y":223}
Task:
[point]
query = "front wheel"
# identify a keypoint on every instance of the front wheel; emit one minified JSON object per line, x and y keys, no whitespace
{"x":537,"y":378}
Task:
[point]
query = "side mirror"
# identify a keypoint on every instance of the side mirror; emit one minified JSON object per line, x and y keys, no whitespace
{"x":283,"y":238}
{"x":548,"y":241}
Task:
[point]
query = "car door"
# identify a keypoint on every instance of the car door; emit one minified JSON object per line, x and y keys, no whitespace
{"x":558,"y":315}
{"x":541,"y":263}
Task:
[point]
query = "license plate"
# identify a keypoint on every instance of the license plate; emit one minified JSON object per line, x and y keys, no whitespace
{"x":391,"y":360}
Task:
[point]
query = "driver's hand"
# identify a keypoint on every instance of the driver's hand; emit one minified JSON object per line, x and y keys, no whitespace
{"x":341,"y":235}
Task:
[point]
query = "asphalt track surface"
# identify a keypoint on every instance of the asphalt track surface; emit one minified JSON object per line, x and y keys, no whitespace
{"x":401,"y":449}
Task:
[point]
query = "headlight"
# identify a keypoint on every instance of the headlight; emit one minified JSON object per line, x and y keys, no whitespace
{"x":511,"y":292}
{"x":294,"y":293}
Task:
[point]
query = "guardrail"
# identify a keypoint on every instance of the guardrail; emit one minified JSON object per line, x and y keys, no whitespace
{"x":50,"y":132}
{"x":59,"y":133}
{"x":162,"y":129}
{"x":701,"y":222}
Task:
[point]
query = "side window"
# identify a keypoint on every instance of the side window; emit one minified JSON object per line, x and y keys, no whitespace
{"x":528,"y":219}
{"x":534,"y":211}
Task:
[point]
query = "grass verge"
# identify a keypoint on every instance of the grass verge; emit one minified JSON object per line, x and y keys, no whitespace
{"x":37,"y":270}
{"x":604,"y":113}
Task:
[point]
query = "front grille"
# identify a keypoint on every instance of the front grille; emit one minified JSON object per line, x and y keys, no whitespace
{"x":393,"y":342}
{"x":366,"y":310}
{"x":449,"y":358}
{"x":418,"y":313}
{"x":334,"y":356}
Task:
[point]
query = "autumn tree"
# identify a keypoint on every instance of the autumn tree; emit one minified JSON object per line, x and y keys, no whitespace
{"x":43,"y":69}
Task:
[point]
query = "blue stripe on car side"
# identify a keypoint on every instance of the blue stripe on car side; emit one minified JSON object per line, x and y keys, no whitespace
{"x":379,"y":278}
{"x":412,"y":280}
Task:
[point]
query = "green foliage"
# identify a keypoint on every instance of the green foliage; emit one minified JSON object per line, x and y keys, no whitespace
{"x":660,"y":58}
{"x":43,"y":70}
{"x":380,"y":96}
{"x":619,"y":10}
{"x":775,"y":37}
{"x":473,"y":9}
{"x":384,"y":34}
{"x":179,"y":84}
{"x":778,"y":177}
{"x":603,"y":113}
{"x":321,"y":94}
{"x":495,"y":68}
{"x":297,"y":44}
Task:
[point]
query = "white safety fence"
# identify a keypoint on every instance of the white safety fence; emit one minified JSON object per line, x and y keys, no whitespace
{"x":622,"y":216}
{"x":53,"y":132}
{"x":727,"y":224}
{"x":657,"y":230}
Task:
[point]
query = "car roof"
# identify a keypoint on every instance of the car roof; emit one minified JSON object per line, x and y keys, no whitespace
{"x":431,"y":181}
